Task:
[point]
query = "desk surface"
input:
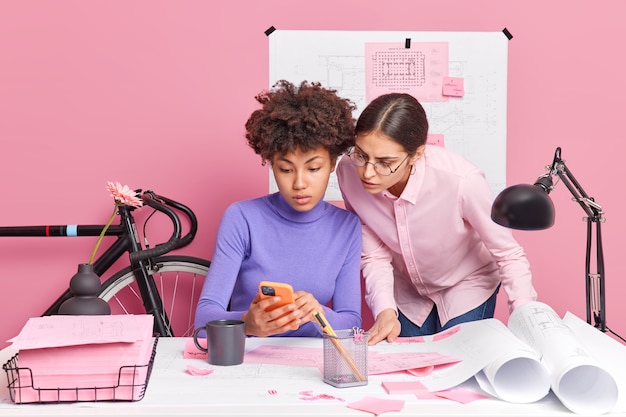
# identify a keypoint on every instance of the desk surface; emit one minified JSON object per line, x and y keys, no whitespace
{"x":264,"y":389}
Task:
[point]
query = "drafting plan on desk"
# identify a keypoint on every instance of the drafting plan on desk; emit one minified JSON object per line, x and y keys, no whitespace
{"x":473,"y":125}
{"x":577,"y":378}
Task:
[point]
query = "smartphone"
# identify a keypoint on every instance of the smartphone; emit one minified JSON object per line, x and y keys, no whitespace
{"x":269,"y":289}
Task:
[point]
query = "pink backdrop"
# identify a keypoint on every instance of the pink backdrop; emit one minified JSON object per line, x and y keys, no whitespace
{"x":154,"y":94}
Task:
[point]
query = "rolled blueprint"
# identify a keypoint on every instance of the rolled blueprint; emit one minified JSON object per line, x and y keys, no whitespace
{"x":576,"y":377}
{"x":518,"y":376}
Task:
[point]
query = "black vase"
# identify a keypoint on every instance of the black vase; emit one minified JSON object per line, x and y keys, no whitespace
{"x":85,"y":286}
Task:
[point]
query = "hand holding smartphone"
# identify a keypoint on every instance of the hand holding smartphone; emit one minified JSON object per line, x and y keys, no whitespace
{"x":268,"y":289}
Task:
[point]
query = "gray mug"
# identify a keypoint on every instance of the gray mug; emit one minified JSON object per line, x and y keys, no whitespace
{"x":226,"y":341}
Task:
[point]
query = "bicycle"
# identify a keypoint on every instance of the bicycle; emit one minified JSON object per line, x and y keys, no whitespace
{"x":168,"y":287}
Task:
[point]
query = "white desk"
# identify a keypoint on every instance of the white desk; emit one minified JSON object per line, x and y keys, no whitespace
{"x":245,"y":390}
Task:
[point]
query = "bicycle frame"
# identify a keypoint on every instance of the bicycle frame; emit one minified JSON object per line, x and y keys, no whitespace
{"x":127,"y":241}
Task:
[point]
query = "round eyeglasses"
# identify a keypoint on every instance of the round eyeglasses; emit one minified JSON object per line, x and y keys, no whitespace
{"x":382,"y":168}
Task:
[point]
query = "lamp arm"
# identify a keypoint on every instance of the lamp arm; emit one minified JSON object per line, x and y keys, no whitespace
{"x":588,"y":204}
{"x":594,"y":282}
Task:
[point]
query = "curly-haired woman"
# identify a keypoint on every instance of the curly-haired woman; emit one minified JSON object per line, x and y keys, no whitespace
{"x":292,"y":236}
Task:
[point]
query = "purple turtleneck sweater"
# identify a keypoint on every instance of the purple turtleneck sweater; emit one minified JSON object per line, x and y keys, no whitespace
{"x":317,"y":251}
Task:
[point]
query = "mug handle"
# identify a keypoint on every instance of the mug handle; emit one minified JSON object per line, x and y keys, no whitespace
{"x":195,"y":340}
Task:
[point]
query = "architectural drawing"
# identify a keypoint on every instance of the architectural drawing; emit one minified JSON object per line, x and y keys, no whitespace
{"x":473,"y":125}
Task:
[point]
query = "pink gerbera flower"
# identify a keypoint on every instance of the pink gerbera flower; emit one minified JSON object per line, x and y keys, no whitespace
{"x":122,"y":195}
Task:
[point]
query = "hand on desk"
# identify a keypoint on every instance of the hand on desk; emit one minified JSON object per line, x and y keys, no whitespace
{"x":387,"y":326}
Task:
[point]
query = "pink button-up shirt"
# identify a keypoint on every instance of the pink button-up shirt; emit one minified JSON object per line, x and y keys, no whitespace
{"x":436,"y":243}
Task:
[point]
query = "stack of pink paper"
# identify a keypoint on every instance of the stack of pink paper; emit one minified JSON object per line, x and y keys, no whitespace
{"x":83,"y":358}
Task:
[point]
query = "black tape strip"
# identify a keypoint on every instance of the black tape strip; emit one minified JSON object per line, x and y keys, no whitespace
{"x":407,"y":43}
{"x":270,"y":30}
{"x":507,"y":33}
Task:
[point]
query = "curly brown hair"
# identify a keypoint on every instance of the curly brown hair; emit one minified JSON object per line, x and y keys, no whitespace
{"x":305,"y":117}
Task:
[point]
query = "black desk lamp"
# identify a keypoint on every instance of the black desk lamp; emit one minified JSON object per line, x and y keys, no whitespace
{"x":528,"y":207}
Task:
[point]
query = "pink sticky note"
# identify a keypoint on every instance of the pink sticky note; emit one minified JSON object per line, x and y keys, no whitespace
{"x":446,"y":333}
{"x":453,"y":86}
{"x":435,"y":139}
{"x":412,"y":339}
{"x":426,"y":395}
{"x":195,"y":371}
{"x":311,"y":396}
{"x":460,"y":395}
{"x":377,"y":406}
{"x":192,"y":352}
{"x":423,"y":371}
{"x":403,"y":387}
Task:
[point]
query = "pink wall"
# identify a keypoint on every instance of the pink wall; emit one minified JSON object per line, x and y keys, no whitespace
{"x":154,"y":94}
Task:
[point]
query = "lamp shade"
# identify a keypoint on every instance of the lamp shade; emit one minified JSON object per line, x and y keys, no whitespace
{"x":523,"y":207}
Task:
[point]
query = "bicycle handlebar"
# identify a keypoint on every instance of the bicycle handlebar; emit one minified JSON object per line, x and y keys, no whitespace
{"x":163,"y":204}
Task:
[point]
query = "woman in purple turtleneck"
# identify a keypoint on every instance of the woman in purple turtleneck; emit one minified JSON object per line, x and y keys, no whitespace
{"x":292,"y":236}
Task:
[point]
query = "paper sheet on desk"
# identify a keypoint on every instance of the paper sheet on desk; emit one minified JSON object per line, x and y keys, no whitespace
{"x":68,"y":330}
{"x":475,"y":344}
{"x":286,"y":355}
{"x":384,"y":363}
{"x":378,"y":363}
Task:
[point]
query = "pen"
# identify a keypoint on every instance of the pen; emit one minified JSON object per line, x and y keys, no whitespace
{"x":327,"y":328}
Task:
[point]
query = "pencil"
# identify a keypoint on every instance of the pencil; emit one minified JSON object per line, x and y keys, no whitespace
{"x":326,"y":328}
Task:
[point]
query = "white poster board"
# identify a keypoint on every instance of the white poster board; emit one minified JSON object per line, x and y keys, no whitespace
{"x":473,"y":124}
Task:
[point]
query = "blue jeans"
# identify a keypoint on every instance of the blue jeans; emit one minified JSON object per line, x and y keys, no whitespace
{"x":431,"y":324}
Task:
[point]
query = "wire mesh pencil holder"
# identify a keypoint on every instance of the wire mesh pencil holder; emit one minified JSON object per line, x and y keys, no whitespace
{"x":345,"y":358}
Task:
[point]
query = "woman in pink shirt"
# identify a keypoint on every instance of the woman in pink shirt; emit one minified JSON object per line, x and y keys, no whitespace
{"x":432,"y":257}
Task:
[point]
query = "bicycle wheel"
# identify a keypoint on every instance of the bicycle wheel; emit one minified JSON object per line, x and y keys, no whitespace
{"x":179,"y":280}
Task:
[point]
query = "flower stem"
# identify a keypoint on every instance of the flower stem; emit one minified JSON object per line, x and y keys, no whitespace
{"x":93,"y":254}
